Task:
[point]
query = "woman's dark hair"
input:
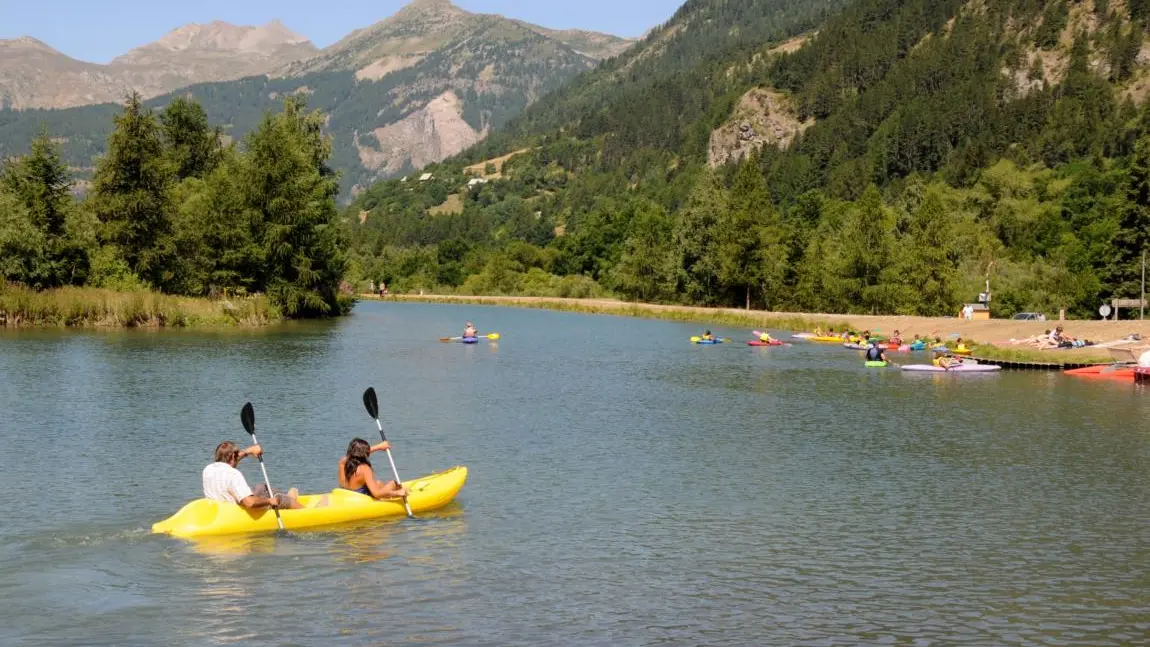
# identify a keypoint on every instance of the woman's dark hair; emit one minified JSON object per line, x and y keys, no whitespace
{"x":358,"y":452}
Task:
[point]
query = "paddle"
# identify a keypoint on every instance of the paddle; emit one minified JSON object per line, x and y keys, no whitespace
{"x":1115,"y":366}
{"x":371,"y":403}
{"x":248,"y":417}
{"x":493,"y":337}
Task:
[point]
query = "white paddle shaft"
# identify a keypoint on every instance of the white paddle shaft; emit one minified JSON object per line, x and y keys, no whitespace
{"x":394,"y":471}
{"x":268,"y":483}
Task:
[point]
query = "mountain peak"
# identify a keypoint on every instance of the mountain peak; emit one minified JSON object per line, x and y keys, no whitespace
{"x":28,"y":44}
{"x":423,"y":8}
{"x":219,"y":35}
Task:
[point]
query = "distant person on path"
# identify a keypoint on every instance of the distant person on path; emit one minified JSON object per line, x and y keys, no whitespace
{"x":224,"y":483}
{"x":355,"y":472}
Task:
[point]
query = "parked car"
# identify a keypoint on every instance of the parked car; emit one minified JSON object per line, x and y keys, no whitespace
{"x":1029,"y":316}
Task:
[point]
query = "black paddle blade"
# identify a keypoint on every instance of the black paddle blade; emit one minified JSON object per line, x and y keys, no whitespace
{"x":370,"y":402}
{"x":248,"y":417}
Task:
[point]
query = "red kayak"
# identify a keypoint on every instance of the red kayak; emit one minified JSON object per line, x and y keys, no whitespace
{"x":773,"y":342}
{"x":1105,"y":372}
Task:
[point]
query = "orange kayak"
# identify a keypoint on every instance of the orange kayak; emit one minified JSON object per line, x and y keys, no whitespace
{"x":1105,"y":372}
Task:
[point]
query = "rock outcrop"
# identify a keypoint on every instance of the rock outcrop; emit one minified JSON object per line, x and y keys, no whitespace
{"x":761,"y":118}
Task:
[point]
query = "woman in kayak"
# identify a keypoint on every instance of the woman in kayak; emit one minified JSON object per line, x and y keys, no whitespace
{"x":896,"y":338}
{"x":355,"y":472}
{"x":875,"y":353}
{"x":707,"y":336}
{"x":469,"y":331}
{"x":765,"y":337}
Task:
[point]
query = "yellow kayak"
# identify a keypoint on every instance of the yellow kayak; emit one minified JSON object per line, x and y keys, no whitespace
{"x":203,"y":517}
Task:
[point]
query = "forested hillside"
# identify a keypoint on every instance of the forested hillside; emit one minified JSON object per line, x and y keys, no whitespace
{"x":918,"y":148}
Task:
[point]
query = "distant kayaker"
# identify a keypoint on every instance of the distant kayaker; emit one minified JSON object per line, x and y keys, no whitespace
{"x":224,"y":483}
{"x":875,"y":353}
{"x":355,"y":472}
{"x":469,"y":331}
{"x":765,"y":338}
{"x":707,"y":336}
{"x":896,"y":338}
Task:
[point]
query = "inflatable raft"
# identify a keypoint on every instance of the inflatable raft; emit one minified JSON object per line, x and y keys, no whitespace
{"x":204,"y":517}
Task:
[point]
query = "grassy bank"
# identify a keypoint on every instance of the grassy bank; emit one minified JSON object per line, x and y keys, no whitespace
{"x":98,"y":308}
{"x":974,"y":333}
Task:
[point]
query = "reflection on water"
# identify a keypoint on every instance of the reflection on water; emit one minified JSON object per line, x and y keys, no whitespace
{"x":626,"y":488}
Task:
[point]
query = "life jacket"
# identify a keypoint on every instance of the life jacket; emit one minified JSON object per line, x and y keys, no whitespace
{"x":874,"y":354}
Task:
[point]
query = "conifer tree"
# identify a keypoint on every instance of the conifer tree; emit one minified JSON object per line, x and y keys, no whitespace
{"x":41,"y":183}
{"x":132,"y":194}
{"x":290,"y":191}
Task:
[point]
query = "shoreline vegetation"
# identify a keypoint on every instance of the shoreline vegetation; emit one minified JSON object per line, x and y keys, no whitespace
{"x":174,"y":219}
{"x":73,"y":307}
{"x":981,"y":334}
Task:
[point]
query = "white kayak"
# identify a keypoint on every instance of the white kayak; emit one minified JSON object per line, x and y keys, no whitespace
{"x":961,"y":368}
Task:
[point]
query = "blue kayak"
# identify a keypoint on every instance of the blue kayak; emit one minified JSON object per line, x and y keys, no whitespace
{"x":709,"y":342}
{"x":469,"y":340}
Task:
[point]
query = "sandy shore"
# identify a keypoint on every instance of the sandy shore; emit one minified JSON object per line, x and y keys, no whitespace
{"x":993,"y":331}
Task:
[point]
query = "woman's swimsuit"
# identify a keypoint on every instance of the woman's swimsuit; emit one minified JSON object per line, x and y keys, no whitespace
{"x":361,"y":489}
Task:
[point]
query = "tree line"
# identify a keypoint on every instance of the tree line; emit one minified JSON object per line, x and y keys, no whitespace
{"x":173,"y":208}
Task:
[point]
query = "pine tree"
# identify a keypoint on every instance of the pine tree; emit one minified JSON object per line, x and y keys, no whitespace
{"x":42,"y":183}
{"x":291,"y":192}
{"x":192,"y":144}
{"x":932,"y":273}
{"x":132,"y":194}
{"x":642,"y":270}
{"x":1125,"y":269}
{"x":740,"y":231}
{"x":696,"y":242}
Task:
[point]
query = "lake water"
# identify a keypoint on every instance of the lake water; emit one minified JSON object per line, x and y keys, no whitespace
{"x":626,"y":488}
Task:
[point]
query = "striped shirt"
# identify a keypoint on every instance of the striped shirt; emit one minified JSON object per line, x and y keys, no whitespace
{"x":222,"y":482}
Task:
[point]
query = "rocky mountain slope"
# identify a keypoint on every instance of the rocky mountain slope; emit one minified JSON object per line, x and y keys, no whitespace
{"x":34,"y":75}
{"x":415,"y":88}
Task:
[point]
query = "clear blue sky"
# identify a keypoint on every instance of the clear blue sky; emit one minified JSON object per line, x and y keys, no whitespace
{"x":99,"y":30}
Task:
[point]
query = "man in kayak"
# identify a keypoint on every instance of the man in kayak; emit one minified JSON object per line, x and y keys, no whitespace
{"x":707,"y":336}
{"x":765,"y":337}
{"x":469,"y":331}
{"x":875,"y":353}
{"x":224,"y":483}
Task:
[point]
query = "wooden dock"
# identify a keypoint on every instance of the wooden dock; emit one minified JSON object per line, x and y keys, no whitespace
{"x":1010,"y":365}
